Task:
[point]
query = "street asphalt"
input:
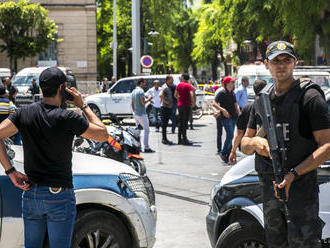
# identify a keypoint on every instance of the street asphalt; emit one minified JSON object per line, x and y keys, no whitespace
{"x":183,"y":177}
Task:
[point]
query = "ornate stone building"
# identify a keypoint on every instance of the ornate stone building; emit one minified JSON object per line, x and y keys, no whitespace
{"x":76,"y":20}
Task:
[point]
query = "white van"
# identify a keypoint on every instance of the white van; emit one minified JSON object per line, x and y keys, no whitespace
{"x":22,"y":80}
{"x":253,"y":72}
{"x":118,"y":99}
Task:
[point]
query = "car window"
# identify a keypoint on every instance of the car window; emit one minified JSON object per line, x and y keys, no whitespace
{"x":322,"y":81}
{"x":24,"y":80}
{"x":125,"y":86}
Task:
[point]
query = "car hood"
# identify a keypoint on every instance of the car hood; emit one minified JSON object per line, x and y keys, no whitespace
{"x":85,"y":164}
{"x":96,"y":96}
{"x":240,"y":170}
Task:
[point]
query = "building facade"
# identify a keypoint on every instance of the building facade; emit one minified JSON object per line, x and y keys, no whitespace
{"x":76,"y":21}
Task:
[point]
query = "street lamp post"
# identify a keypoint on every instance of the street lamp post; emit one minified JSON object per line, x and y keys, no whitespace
{"x":136,"y":37}
{"x":114,"y":41}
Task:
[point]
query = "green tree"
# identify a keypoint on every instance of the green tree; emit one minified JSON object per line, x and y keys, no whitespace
{"x":25,"y":30}
{"x":209,"y":39}
{"x":104,"y":37}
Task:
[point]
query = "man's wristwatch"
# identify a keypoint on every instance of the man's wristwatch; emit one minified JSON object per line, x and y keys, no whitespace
{"x":11,"y":170}
{"x":84,"y":106}
{"x":294,"y":172}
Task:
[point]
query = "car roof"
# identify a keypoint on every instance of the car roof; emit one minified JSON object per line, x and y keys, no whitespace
{"x":252,"y":70}
{"x":310,"y":72}
{"x":150,"y":76}
{"x":34,"y":71}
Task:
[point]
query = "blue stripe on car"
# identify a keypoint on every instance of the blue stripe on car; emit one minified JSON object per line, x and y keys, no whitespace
{"x":11,"y":196}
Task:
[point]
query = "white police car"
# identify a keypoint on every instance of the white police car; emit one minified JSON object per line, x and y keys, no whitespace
{"x":115,"y":206}
{"x":118,"y":99}
{"x":236,"y":219}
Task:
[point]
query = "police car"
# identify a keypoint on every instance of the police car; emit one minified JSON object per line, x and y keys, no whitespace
{"x":115,"y":206}
{"x":235,"y":218}
{"x":118,"y":99}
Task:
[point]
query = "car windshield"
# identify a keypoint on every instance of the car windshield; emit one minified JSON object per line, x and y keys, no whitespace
{"x":24,"y":80}
{"x":252,"y":78}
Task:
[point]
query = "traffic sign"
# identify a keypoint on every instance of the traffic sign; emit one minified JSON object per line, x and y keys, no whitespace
{"x":147,"y":61}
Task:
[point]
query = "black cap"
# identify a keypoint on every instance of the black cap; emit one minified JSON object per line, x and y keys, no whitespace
{"x":2,"y":90}
{"x":279,"y":47}
{"x":52,"y":77}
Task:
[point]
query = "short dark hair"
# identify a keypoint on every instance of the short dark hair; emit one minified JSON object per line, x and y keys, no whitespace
{"x":140,"y":81}
{"x":168,"y":77}
{"x":185,"y":76}
{"x":258,"y":86}
{"x":245,"y":79}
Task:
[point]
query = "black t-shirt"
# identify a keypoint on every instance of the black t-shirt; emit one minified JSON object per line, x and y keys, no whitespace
{"x":34,"y":89}
{"x":47,"y":134}
{"x":243,"y":118}
{"x":227,"y":101}
{"x":313,"y":113}
{"x":11,"y":90}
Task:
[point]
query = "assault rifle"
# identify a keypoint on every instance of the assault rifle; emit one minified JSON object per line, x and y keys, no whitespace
{"x":275,"y":139}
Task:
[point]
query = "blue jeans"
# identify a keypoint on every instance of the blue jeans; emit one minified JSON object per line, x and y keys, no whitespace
{"x":173,"y":118}
{"x":229,"y":125}
{"x":156,"y":114}
{"x":54,"y":212}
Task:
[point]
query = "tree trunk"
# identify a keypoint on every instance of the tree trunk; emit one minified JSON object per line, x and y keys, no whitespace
{"x":194,"y":69}
{"x":15,"y":65}
{"x":214,"y":66}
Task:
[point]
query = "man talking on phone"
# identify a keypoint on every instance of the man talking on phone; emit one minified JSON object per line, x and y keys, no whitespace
{"x":47,"y":133}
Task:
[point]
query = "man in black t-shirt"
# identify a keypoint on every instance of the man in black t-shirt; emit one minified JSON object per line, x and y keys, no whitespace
{"x":12,"y":90}
{"x":34,"y":88}
{"x":243,"y":120}
{"x":226,"y":115}
{"x":300,"y":109}
{"x":47,"y":134}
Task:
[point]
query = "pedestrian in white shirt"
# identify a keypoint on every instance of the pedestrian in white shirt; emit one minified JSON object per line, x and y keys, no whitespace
{"x":156,"y":103}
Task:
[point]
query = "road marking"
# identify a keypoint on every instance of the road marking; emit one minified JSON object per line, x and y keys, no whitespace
{"x":185,"y":175}
{"x":182,"y":198}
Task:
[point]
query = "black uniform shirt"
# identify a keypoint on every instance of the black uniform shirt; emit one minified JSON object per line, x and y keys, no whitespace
{"x":47,"y":134}
{"x":34,"y":89}
{"x":12,"y":90}
{"x":243,"y":118}
{"x":313,"y":113}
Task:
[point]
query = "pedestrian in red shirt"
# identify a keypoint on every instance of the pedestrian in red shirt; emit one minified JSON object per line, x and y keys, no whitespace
{"x":185,"y":94}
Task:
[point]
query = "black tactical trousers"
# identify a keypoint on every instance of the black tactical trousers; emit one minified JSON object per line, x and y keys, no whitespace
{"x":183,"y":122}
{"x":305,"y":230}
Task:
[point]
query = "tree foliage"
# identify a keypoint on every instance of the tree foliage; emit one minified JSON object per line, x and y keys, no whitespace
{"x":171,"y":49}
{"x":295,"y":20}
{"x":25,"y":30}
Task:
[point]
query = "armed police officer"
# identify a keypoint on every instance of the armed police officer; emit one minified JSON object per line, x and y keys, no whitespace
{"x":300,"y":108}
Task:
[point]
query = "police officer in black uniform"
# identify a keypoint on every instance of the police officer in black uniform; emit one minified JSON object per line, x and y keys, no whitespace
{"x":301,"y":109}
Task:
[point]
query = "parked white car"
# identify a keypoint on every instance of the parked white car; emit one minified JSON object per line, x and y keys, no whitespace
{"x":117,"y":100}
{"x":103,"y":187}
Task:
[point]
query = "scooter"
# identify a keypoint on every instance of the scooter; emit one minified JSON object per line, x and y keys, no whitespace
{"x":123,"y":145}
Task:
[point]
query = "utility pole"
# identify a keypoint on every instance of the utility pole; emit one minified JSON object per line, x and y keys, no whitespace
{"x":136,"y":37}
{"x":114,"y":41}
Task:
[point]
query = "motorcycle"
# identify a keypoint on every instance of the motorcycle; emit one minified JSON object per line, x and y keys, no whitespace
{"x":123,"y":145}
